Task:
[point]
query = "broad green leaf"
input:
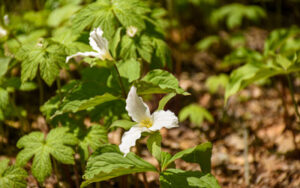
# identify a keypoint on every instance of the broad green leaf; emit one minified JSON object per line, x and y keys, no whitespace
{"x":128,"y":48}
{"x":154,"y":145}
{"x":205,"y":181}
{"x":213,"y":83}
{"x":195,"y":113}
{"x":4,"y":61}
{"x":162,"y":103}
{"x":109,"y":15}
{"x":108,"y":162}
{"x":125,"y":124}
{"x":12,"y":176}
{"x":61,"y":14}
{"x":96,"y":101}
{"x":4,"y":98}
{"x":145,"y":48}
{"x":234,"y":14}
{"x":176,"y":178}
{"x":207,"y":42}
{"x":48,"y":56}
{"x":35,"y":145}
{"x":162,"y":54}
{"x":130,"y":69}
{"x":94,"y":137}
{"x":283,"y":62}
{"x":159,"y":81}
{"x":3,"y":165}
{"x":200,"y":154}
{"x":139,"y":46}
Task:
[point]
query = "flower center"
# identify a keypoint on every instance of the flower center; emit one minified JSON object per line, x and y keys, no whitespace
{"x":146,"y":123}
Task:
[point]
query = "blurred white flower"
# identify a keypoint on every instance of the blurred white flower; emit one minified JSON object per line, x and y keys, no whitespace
{"x":3,"y":32}
{"x":99,"y":44}
{"x":131,"y":31}
{"x":146,"y":122}
{"x":6,"y":19}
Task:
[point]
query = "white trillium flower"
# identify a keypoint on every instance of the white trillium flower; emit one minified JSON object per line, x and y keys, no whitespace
{"x":131,"y":31}
{"x":98,"y":43}
{"x":146,"y":122}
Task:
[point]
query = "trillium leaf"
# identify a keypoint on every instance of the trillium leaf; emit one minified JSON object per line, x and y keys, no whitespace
{"x":35,"y":145}
{"x":4,"y":98}
{"x":12,"y":176}
{"x":108,"y":162}
{"x":162,"y":54}
{"x":176,"y":178}
{"x":4,"y":61}
{"x":205,"y":181}
{"x":200,"y":154}
{"x":159,"y":81}
{"x":195,"y":113}
{"x":130,"y":69}
{"x":125,"y":124}
{"x":154,"y":145}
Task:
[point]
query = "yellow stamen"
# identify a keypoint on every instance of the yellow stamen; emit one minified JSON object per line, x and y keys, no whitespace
{"x":146,"y":123}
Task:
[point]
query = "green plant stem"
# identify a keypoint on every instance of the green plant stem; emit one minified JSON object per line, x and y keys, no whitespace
{"x":120,"y":81}
{"x":291,"y":87}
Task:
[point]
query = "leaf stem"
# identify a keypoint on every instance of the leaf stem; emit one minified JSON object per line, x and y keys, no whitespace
{"x":120,"y":81}
{"x":291,"y":87}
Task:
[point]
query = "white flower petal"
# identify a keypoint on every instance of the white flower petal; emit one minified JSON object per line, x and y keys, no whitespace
{"x":129,"y":138}
{"x":86,"y":54}
{"x":98,"y":42}
{"x":163,"y":119}
{"x":135,"y":106}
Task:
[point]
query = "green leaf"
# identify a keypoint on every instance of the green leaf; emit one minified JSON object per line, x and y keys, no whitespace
{"x":154,"y":145}
{"x":283,"y":62}
{"x":56,"y":144}
{"x":48,"y":56}
{"x":115,"y":42}
{"x":4,"y":98}
{"x":234,"y":14}
{"x":108,"y":162}
{"x":4,"y":61}
{"x":165,"y":100}
{"x":130,"y":69}
{"x":159,"y":81}
{"x":176,"y":178}
{"x":59,"y":15}
{"x":128,"y":48}
{"x":109,"y":15}
{"x":205,"y":181}
{"x":196,"y":114}
{"x":213,"y":83}
{"x":144,"y":47}
{"x":3,"y":165}
{"x":13,"y":176}
{"x":94,"y":137}
{"x":125,"y":124}
{"x":207,"y":42}
{"x":162,"y":54}
{"x":200,"y":154}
